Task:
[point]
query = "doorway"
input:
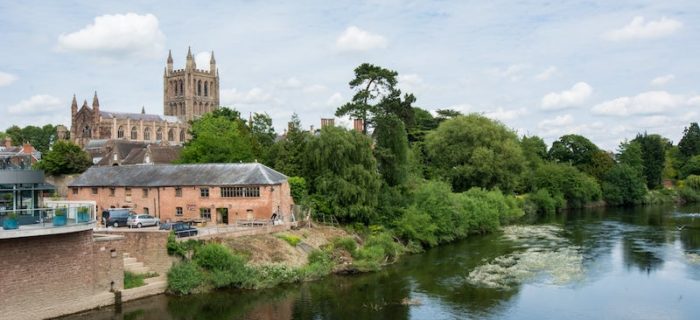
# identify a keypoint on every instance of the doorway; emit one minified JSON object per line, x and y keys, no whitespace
{"x":222,"y":215}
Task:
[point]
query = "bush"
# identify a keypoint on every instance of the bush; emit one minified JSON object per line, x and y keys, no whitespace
{"x":298,"y":189}
{"x":185,"y":278}
{"x":623,"y":185}
{"x":575,"y":187}
{"x":543,"y":203}
{"x":660,"y":196}
{"x":181,"y":249}
{"x":290,"y":238}
{"x":693,"y":182}
{"x":346,"y":243}
{"x":132,"y":280}
{"x":225,"y":268}
{"x":320,"y":264}
{"x":417,"y":226}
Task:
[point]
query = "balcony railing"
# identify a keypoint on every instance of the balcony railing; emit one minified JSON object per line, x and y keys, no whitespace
{"x":55,"y":217}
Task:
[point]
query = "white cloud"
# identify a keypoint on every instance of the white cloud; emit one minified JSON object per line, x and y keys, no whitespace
{"x":662,"y":80}
{"x":651,"y":102}
{"x":128,"y":34}
{"x":512,"y":72}
{"x":573,"y":97}
{"x":546,"y":73}
{"x":314,"y":88}
{"x":252,"y":96}
{"x":6,"y":79}
{"x":36,"y":105}
{"x":202,"y":60}
{"x":558,"y":121}
{"x":654,"y":121}
{"x":291,"y":83}
{"x":639,"y":29}
{"x":356,"y":39}
{"x":503,"y":114}
{"x":335,"y":100}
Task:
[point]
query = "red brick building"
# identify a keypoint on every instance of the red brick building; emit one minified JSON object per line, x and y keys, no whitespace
{"x":221,"y":193}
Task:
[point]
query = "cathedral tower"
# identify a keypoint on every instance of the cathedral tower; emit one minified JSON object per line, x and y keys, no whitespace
{"x":190,"y":92}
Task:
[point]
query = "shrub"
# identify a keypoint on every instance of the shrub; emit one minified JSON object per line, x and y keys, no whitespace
{"x":660,"y":196}
{"x":346,"y":243}
{"x":290,"y":238}
{"x":225,"y":268}
{"x":565,"y":180}
{"x":693,"y":182}
{"x":417,"y":226}
{"x":543,"y":203}
{"x":132,"y":280}
{"x":298,"y":189}
{"x":623,"y":185}
{"x":185,"y":278}
{"x":181,"y":249}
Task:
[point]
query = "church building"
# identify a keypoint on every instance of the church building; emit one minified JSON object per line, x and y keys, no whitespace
{"x":187,"y":94}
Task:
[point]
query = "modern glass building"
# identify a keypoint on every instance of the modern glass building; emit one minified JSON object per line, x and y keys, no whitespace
{"x":22,"y":189}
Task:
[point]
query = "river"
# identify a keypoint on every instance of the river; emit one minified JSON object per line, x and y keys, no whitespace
{"x":641,"y":263}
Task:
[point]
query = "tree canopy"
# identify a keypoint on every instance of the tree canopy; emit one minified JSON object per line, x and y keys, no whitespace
{"x":64,"y":158}
{"x":40,"y":137}
{"x":217,"y":137}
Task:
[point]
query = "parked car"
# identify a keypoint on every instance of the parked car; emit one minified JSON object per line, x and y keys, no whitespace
{"x":116,"y":217}
{"x":183,"y":230}
{"x":142,"y":220}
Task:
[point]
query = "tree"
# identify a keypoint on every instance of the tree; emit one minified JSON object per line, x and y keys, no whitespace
{"x":217,"y":139}
{"x":446,"y":114}
{"x":475,"y":151}
{"x":263,"y":134}
{"x":41,"y":138}
{"x":601,"y":163}
{"x":691,"y":167}
{"x":287,"y":154}
{"x":574,"y":149}
{"x":623,"y":185}
{"x":534,"y":150}
{"x":342,"y":175}
{"x":391,"y":150}
{"x":630,"y":153}
{"x":373,"y":84}
{"x":653,"y":157}
{"x":423,"y":122}
{"x":565,"y":180}
{"x":64,"y":158}
{"x":690,"y":142}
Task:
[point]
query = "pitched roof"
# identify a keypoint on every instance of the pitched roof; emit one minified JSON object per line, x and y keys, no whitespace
{"x":214,"y":174}
{"x":134,"y":116}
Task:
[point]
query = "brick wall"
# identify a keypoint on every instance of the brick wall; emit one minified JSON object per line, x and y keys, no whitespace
{"x":51,"y":275}
{"x":148,"y":247}
{"x":162,"y":202}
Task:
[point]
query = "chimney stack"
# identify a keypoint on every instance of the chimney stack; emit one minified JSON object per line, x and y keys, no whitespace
{"x":358,"y":125}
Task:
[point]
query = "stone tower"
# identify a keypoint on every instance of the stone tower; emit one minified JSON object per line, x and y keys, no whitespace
{"x":188,"y":93}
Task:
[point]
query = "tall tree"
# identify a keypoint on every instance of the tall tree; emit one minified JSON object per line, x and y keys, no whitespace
{"x":653,"y":157}
{"x":372,"y":84}
{"x":40,"y":137}
{"x":263,"y":134}
{"x":574,"y":149}
{"x":287,"y":154}
{"x":630,"y":153}
{"x":217,"y":139}
{"x":343,"y":175}
{"x":64,"y":158}
{"x":534,"y":150}
{"x":690,"y":142}
{"x":391,"y":149}
{"x":475,"y":151}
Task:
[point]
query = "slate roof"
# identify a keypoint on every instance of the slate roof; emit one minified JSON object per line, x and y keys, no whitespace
{"x":134,"y":116}
{"x":216,"y":174}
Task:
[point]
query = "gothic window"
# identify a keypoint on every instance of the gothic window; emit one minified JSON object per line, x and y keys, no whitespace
{"x":120,"y":132}
{"x":206,"y":88}
{"x":171,"y":135}
{"x":147,"y":134}
{"x":182,"y":109}
{"x":199,"y":87}
{"x":206,"y":107}
{"x":182,"y":135}
{"x":159,"y":134}
{"x":182,"y":87}
{"x":134,"y":133}
{"x":87,"y":133}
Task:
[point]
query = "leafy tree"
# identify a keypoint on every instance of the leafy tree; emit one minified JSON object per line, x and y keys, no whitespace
{"x":217,"y":139}
{"x":690,"y":142}
{"x":64,"y":158}
{"x":601,"y":163}
{"x":475,"y":151}
{"x":343,"y":175}
{"x":40,"y":137}
{"x":574,"y":149}
{"x":287,"y":154}
{"x":691,"y":167}
{"x":263,"y":134}
{"x":653,"y":157}
{"x":564,"y":180}
{"x":630,"y":153}
{"x":373,"y":84}
{"x":534,"y":150}
{"x":422,"y":124}
{"x":623,"y":185}
{"x":298,"y":189}
{"x":446,"y":114}
{"x":391,"y":150}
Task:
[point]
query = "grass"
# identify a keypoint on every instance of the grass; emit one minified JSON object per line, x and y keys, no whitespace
{"x":133,"y":280}
{"x":290,"y":238}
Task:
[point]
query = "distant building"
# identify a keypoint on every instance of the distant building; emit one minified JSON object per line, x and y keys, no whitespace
{"x":187,"y":94}
{"x":122,"y":152}
{"x":221,"y":193}
{"x":16,"y":156}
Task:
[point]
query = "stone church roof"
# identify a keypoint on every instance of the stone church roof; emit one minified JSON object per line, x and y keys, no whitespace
{"x":214,"y":174}
{"x":134,"y":116}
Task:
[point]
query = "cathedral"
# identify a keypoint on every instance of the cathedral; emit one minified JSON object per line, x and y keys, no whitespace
{"x":187,"y":94}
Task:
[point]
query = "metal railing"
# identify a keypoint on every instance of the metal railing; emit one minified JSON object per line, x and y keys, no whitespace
{"x":54,"y":214}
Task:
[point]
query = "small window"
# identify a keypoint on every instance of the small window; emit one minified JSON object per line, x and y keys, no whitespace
{"x":145,"y":211}
{"x":178,"y":192}
{"x":94,"y":190}
{"x":111,"y":191}
{"x":75,"y":190}
{"x":204,"y":192}
{"x":127,"y":191}
{"x":178,"y":211}
{"x":205,"y":214}
{"x":145,"y":192}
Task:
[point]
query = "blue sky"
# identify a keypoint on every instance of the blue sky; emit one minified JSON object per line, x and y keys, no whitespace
{"x":604,"y":69}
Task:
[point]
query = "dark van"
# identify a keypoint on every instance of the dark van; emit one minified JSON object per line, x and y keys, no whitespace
{"x":115,"y":217}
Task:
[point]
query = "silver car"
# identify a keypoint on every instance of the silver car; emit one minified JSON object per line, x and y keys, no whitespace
{"x":142,"y":220}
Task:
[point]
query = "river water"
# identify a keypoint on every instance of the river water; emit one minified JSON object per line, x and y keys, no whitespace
{"x":641,"y":263}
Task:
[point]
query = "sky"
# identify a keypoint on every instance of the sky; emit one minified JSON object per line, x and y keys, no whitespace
{"x":603,"y":69}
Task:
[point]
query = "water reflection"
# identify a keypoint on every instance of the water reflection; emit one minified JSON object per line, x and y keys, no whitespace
{"x":637,"y":263}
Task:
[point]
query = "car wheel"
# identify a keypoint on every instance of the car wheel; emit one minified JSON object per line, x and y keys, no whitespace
{"x":138,"y":225}
{"x":115,"y":224}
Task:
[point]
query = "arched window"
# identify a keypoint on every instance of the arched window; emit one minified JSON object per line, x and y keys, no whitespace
{"x":206,"y":88}
{"x":147,"y":134}
{"x":159,"y":134}
{"x":206,"y":107}
{"x":182,"y":135}
{"x":199,"y":87}
{"x":182,"y":88}
{"x":134,"y":133}
{"x":120,"y":132}
{"x":171,"y":135}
